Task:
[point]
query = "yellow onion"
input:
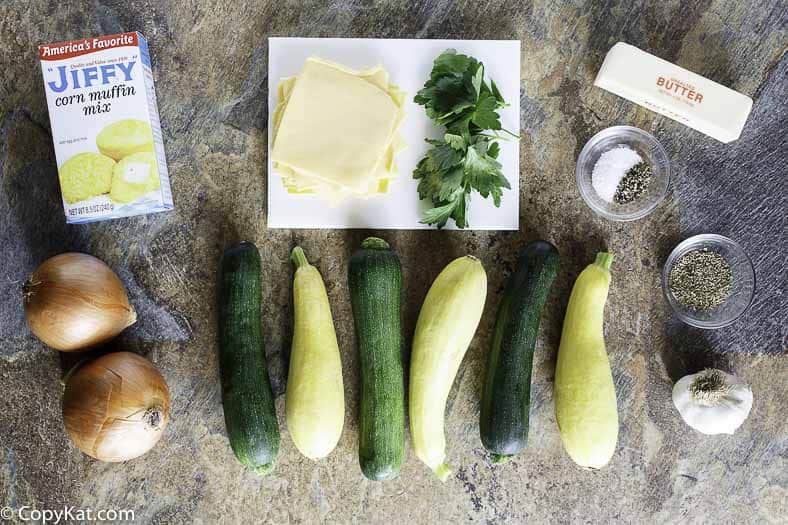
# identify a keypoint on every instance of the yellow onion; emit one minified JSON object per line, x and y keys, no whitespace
{"x":116,"y":407}
{"x":73,"y":301}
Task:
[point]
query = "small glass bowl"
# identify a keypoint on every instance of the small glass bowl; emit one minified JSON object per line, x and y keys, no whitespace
{"x":742,"y":288}
{"x":648,"y":148}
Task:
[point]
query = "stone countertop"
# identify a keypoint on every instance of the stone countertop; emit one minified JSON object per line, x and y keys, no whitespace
{"x":209,"y":61}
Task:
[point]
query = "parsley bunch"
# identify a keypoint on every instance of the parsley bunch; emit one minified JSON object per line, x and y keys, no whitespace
{"x":457,"y":97}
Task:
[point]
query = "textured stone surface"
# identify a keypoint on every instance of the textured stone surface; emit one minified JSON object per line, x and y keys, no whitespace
{"x":209,"y":60}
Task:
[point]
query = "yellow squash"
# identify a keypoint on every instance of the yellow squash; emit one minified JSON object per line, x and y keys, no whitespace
{"x":447,"y":322}
{"x":585,"y":396}
{"x":315,"y":397}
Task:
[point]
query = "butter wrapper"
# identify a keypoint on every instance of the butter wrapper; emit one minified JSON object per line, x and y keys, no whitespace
{"x":105,"y":127}
{"x":674,"y":92}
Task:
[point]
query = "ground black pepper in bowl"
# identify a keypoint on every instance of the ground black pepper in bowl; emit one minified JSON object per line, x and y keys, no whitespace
{"x":701,"y":280}
{"x":634,"y":184}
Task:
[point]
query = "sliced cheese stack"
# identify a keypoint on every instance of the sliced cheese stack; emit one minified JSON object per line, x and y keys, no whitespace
{"x":336,"y":131}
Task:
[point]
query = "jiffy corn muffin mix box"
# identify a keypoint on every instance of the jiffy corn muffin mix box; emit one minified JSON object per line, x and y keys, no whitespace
{"x":105,"y":126}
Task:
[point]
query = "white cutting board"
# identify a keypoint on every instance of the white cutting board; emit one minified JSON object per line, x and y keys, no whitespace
{"x":409,"y":63}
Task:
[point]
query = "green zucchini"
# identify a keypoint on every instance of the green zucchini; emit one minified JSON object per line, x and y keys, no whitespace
{"x":248,"y":401}
{"x":375,"y":281}
{"x":506,"y":395}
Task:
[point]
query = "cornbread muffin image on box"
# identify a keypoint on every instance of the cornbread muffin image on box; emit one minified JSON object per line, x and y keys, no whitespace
{"x":85,"y":175}
{"x":124,"y":137}
{"x":134,"y":176}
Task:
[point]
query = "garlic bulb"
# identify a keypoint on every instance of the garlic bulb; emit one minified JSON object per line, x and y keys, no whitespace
{"x":712,"y":402}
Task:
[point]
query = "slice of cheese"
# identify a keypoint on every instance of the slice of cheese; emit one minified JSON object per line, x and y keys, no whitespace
{"x":336,"y":131}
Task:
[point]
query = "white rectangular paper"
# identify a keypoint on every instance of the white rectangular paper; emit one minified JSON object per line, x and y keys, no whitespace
{"x":409,"y":63}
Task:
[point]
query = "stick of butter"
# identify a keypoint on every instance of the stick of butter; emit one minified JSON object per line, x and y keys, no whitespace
{"x":675,"y":92}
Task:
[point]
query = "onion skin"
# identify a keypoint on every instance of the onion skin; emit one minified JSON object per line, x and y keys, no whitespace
{"x":116,"y":407}
{"x":74,"y":301}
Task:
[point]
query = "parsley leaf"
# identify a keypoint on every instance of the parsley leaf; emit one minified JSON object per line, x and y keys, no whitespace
{"x":494,"y":150}
{"x":486,"y":116}
{"x":460,"y":210}
{"x":495,"y":92}
{"x":451,"y":182}
{"x":450,"y":62}
{"x":441,"y":214}
{"x":455,"y":141}
{"x":483,"y":173}
{"x":443,"y":156}
{"x":465,"y":160}
{"x":451,"y":95}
